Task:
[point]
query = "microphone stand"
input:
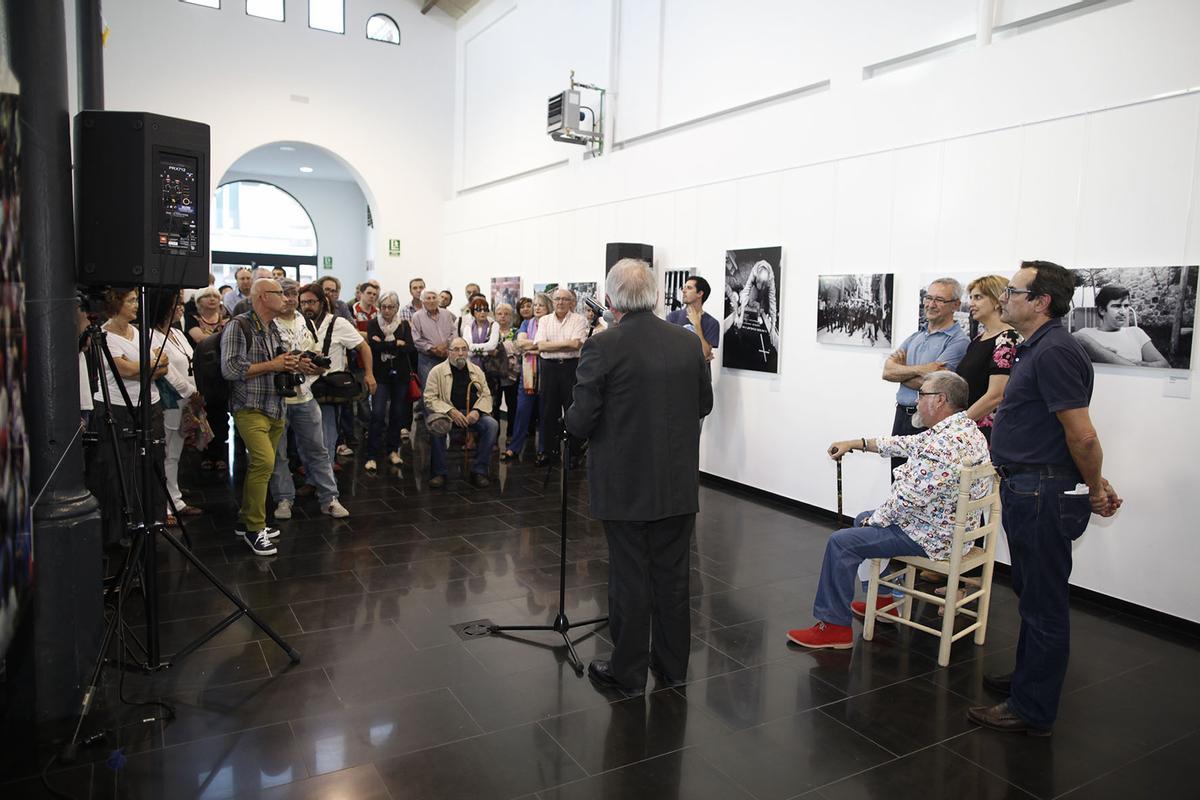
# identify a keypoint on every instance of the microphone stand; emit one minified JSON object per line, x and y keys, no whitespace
{"x":561,"y":624}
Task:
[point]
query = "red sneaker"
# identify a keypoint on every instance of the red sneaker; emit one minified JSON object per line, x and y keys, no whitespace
{"x":859,"y":609}
{"x":822,"y":635}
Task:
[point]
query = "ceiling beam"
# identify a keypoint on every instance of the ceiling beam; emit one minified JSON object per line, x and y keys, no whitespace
{"x":428,"y":5}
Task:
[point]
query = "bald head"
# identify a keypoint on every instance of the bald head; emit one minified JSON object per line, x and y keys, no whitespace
{"x":262,"y":285}
{"x":267,"y":299}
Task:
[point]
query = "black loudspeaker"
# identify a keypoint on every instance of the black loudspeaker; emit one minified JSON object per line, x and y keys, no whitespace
{"x":615,"y":251}
{"x":142,"y":199}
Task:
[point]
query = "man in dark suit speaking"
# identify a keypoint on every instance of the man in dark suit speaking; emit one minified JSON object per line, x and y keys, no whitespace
{"x":640,"y":394}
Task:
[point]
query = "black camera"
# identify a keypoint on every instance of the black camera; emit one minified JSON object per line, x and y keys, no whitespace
{"x":286,"y":382}
{"x":316,"y":358}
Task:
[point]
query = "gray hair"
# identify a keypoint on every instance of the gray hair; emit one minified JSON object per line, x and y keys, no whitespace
{"x":389,"y":295}
{"x":207,"y":291}
{"x":950,"y":384}
{"x":631,"y":286}
{"x":544,"y":299}
{"x":287,"y":284}
{"x":503,"y":305}
{"x":428,"y":292}
{"x":951,"y":284}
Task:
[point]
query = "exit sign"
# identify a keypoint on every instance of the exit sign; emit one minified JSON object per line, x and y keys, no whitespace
{"x":393,"y":247}
{"x":328,"y":262}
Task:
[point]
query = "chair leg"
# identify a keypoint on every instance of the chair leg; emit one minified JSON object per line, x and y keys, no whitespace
{"x":985,"y":602}
{"x":872,"y":594}
{"x":950,"y":612}
{"x":910,"y":580}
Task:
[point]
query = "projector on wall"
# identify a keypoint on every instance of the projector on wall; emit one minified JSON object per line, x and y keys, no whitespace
{"x":566,"y":115}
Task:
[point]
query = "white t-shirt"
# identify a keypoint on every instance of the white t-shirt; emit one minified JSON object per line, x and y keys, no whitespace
{"x":85,"y":386}
{"x":1125,"y":342}
{"x":129,"y":349}
{"x":296,"y":336}
{"x":345,"y":336}
{"x":177,"y":352}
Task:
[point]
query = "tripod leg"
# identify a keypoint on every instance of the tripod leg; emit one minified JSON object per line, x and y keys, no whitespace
{"x":576,"y":662}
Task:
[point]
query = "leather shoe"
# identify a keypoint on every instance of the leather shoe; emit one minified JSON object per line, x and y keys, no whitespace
{"x":479,"y":480}
{"x":600,"y":673}
{"x":437,"y":481}
{"x":1000,"y":684}
{"x":666,"y":682}
{"x":999,"y":718}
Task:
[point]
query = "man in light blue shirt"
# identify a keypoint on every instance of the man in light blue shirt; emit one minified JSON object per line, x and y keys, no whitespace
{"x":940,"y":345}
{"x":244,"y":278}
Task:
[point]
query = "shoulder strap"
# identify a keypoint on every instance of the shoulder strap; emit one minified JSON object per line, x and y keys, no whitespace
{"x":328,"y":335}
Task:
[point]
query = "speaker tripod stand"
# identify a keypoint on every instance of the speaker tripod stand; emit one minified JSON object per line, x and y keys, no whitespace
{"x":561,"y":625}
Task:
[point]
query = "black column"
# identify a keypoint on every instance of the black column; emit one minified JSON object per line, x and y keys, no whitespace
{"x":63,"y":629}
{"x":90,"y":54}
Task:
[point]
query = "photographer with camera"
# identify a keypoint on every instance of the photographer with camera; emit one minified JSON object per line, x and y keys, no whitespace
{"x":257,"y":367}
{"x":302,"y":416}
{"x":335,"y":337}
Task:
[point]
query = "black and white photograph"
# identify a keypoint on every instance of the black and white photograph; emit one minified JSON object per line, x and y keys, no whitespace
{"x":855,"y":310}
{"x":753,"y":289}
{"x":1136,"y":316}
{"x":582,"y":290}
{"x":673,"y":281}
{"x":962,"y":315}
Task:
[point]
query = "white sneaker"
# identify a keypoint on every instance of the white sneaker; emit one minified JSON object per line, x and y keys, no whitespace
{"x":344,"y":450}
{"x":395,"y":458}
{"x":283,"y":510}
{"x":404,"y":433}
{"x":335,"y":509}
{"x":260,"y":543}
{"x":370,"y":466}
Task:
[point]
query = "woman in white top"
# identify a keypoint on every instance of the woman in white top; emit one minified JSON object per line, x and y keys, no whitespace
{"x":1115,"y":340}
{"x":176,"y":387}
{"x":104,"y":471}
{"x":481,"y":333}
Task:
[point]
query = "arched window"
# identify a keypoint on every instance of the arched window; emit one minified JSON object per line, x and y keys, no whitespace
{"x":259,"y":224}
{"x":383,"y":28}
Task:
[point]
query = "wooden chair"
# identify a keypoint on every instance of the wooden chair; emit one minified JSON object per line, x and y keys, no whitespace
{"x":982,"y":554}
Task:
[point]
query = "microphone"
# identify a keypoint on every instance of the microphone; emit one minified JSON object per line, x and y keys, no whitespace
{"x":600,"y":311}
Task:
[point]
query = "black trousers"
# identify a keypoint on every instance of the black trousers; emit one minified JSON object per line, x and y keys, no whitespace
{"x":648,"y":614}
{"x":902,"y":426}
{"x":556,"y":387}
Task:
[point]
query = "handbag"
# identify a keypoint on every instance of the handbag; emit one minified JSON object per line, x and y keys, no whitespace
{"x":193,"y":423}
{"x":334,"y":388}
{"x":414,"y":389}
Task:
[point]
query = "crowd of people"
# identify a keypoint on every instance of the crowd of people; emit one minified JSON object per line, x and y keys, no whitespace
{"x":307,"y":378}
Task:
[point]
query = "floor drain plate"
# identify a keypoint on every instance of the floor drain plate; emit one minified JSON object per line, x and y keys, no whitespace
{"x":473,"y":629}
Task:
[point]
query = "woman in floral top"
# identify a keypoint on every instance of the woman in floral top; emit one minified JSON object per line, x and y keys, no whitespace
{"x":989,"y":357}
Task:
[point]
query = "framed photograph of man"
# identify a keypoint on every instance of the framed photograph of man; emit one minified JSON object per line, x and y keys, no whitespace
{"x":1135,"y":316}
{"x":753,"y":292}
{"x":673,"y":281}
{"x":506,"y":290}
{"x":855,"y":310}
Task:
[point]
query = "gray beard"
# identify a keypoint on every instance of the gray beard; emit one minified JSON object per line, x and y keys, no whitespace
{"x":917,"y":422}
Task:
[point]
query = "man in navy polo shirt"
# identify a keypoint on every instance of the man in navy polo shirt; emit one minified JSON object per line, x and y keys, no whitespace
{"x":941,"y":344}
{"x":1043,"y":446}
{"x":693,"y":317}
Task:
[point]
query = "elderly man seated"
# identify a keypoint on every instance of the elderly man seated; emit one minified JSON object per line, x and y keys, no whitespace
{"x":457,"y":395}
{"x":917,"y":518}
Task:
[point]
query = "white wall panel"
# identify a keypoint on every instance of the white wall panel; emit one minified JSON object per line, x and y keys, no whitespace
{"x":636,"y":91}
{"x":978,"y":219}
{"x":863,"y":214}
{"x":1052,"y":156}
{"x":1137,"y":183}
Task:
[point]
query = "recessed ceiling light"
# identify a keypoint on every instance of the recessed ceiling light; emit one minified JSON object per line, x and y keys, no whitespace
{"x":306,"y":169}
{"x":287,"y":148}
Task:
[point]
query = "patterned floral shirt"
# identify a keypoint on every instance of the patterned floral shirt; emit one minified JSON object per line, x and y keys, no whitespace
{"x":925,"y":491}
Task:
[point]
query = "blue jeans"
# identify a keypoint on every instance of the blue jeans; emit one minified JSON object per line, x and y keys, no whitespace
{"x":389,"y":406}
{"x":306,"y":423}
{"x":526,"y":405}
{"x":486,"y":430}
{"x":330,"y":416}
{"x":843,"y":553}
{"x":1040,"y":523}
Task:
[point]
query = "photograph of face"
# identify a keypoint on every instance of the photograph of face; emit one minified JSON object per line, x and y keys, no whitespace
{"x":855,"y":310}
{"x":673,"y":282}
{"x":753,"y":287}
{"x":1135,"y":317}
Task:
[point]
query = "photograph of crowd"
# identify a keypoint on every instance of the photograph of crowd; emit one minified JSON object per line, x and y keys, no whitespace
{"x":962,"y":316}
{"x":855,"y":309}
{"x":1136,"y":317}
{"x":583,"y":290}
{"x":753,"y":287}
{"x":506,"y":290}
{"x":673,"y":281}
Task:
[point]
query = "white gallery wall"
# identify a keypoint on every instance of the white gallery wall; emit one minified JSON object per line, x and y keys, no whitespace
{"x":812,"y":125}
{"x":384,"y":110}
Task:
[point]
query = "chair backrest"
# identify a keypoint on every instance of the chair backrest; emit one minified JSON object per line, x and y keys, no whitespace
{"x":971,"y":508}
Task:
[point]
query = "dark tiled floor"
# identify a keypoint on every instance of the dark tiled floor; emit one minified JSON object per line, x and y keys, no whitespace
{"x":389,"y":702}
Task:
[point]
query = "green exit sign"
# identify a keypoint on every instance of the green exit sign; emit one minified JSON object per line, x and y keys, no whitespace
{"x":327,"y":262}
{"x":393,"y":247}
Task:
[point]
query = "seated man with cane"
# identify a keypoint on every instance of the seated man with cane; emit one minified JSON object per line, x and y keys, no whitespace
{"x":917,"y":518}
{"x":457,"y":395}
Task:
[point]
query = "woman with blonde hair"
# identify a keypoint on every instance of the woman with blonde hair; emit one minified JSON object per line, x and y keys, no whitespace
{"x":990,"y":355}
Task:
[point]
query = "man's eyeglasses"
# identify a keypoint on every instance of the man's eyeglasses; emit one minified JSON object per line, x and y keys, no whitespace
{"x":929,"y":298}
{"x":1010,"y":291}
{"x":927,"y":394}
{"x":273,"y":291}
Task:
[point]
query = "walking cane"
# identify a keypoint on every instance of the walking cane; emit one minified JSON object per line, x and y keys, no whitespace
{"x":839,"y":490}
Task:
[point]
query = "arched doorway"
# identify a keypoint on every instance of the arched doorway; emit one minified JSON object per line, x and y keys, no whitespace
{"x":258,"y":224}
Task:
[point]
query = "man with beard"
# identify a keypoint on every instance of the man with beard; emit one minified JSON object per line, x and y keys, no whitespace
{"x":457,"y":390}
{"x":916,"y":519}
